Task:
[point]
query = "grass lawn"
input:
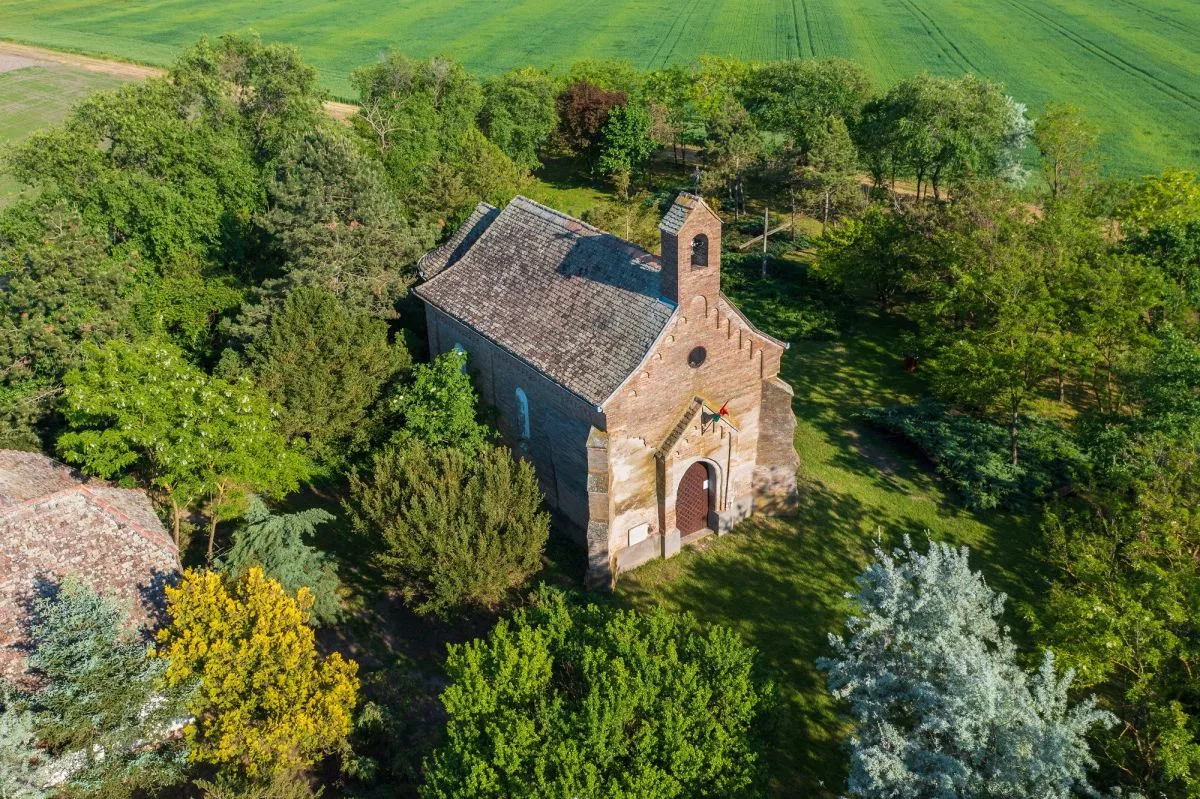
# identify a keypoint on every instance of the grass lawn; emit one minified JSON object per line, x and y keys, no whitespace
{"x":780,"y":583}
{"x":36,"y":97}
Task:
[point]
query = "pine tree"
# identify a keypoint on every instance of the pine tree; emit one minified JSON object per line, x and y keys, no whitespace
{"x":939,"y":704}
{"x":101,"y":700}
{"x":275,"y":543}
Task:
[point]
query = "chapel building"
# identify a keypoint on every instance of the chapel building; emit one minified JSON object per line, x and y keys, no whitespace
{"x":650,"y":407}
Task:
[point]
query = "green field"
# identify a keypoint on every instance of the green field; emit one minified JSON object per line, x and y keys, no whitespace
{"x":1134,"y":65}
{"x":37,"y":96}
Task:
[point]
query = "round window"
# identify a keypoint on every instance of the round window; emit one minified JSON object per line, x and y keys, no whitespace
{"x":696,"y":357}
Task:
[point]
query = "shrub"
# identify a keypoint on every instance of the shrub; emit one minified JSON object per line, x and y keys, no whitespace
{"x":267,"y":704}
{"x":568,"y":700}
{"x":789,"y":304}
{"x":975,"y":456}
{"x":455,"y":530}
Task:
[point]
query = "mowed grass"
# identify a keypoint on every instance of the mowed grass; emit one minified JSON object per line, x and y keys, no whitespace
{"x":1133,"y":65}
{"x":36,"y":97}
{"x":781,"y":583}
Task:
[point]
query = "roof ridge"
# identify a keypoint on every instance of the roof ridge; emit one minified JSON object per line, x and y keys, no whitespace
{"x":636,"y":252}
{"x":125,"y":518}
{"x":558,"y":213}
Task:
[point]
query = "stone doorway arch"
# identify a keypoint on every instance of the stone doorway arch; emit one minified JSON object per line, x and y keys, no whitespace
{"x":694,"y":499}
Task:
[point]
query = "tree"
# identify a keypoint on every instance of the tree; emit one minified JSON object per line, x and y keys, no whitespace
{"x":518,"y":113}
{"x":326,"y":366}
{"x":273,"y":94}
{"x":1172,"y":198}
{"x":440,"y":407}
{"x":276,"y":544}
{"x":733,"y":146}
{"x":61,"y":288}
{"x":1174,"y":250}
{"x":337,"y":227}
{"x":420,"y":119}
{"x":24,"y":766}
{"x":454,"y":530}
{"x":1067,"y":144}
{"x":101,"y":705}
{"x":1125,"y":579}
{"x":937,"y":128}
{"x":583,"y":111}
{"x":266,"y":703}
{"x":175,"y":188}
{"x":570,"y":700}
{"x":827,"y":179}
{"x":627,"y":144}
{"x":143,"y":410}
{"x":939,"y":704}
{"x":798,"y":96}
{"x":873,"y":256}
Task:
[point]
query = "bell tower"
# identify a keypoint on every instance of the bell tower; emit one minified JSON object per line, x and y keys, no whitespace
{"x":691,"y":250}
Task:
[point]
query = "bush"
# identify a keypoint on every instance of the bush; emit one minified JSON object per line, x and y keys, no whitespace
{"x":454,"y":530}
{"x":976,"y":456}
{"x":566,"y":700}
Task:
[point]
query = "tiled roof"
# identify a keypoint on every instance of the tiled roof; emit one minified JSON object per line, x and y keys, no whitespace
{"x":679,"y":211}
{"x":52,"y":524}
{"x":436,"y":260}
{"x":580,"y":305}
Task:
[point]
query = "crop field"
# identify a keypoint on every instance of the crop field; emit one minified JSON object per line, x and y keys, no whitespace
{"x":1134,"y":65}
{"x":34,"y":95}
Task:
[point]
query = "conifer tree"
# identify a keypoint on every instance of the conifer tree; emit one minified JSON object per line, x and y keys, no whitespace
{"x":102,"y":703}
{"x":275,"y":543}
{"x":939,"y":704}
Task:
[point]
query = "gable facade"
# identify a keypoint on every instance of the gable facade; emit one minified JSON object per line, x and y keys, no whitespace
{"x":680,"y":429}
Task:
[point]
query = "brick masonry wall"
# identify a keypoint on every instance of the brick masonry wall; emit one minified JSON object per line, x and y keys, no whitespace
{"x":559,"y":421}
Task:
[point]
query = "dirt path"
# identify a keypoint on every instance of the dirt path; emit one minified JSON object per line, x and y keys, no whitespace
{"x":122,"y":69}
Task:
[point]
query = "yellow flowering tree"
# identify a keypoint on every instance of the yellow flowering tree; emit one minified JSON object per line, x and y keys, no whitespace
{"x":265,"y":702}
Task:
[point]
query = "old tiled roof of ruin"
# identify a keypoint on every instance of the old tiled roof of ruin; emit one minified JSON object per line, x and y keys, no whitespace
{"x":53,"y":524}
{"x":578,"y":304}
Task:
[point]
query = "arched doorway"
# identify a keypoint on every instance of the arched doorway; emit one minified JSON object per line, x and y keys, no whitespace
{"x":693,"y":500}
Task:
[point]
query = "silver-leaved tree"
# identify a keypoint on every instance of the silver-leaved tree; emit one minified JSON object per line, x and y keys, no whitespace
{"x":939,"y":704}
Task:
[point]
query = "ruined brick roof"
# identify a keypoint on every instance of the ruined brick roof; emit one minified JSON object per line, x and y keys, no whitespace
{"x":53,"y":524}
{"x":578,"y":304}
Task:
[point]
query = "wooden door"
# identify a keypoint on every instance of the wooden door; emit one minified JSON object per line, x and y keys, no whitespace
{"x":692,"y":502}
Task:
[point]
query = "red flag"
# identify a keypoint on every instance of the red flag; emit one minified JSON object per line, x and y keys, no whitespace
{"x":723,"y":411}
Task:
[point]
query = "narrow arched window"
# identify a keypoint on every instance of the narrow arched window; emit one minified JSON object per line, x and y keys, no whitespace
{"x":522,"y":415}
{"x":458,"y":348}
{"x":700,"y":251}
